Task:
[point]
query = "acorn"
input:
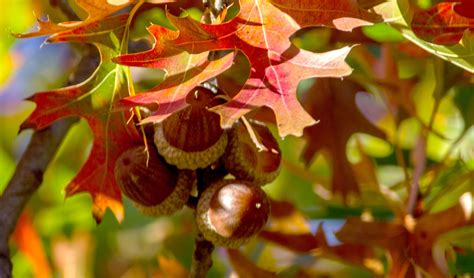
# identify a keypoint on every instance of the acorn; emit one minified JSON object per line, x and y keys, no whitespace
{"x":192,"y":138}
{"x":230,"y":212}
{"x":155,"y":187}
{"x":245,"y":161}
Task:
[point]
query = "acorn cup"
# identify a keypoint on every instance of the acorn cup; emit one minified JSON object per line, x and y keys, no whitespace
{"x":156,"y":188}
{"x":192,"y":138}
{"x":243,"y":160}
{"x":230,"y":212}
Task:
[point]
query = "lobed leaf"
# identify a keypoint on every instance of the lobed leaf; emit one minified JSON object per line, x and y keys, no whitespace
{"x":441,"y":24}
{"x":93,"y":100}
{"x":399,"y":15}
{"x":96,"y":11}
{"x":343,"y":15}
{"x":332,"y":101}
{"x":261,"y":31}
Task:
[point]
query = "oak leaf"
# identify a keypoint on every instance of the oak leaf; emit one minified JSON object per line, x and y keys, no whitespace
{"x":332,"y":101}
{"x":441,"y":24}
{"x":245,"y":267}
{"x":93,"y":100}
{"x":184,"y":72}
{"x":96,"y":11}
{"x":28,"y":241}
{"x":261,"y":31}
{"x":343,"y":15}
{"x":408,"y":241}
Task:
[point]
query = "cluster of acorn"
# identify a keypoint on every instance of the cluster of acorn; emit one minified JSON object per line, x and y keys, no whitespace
{"x":190,"y":158}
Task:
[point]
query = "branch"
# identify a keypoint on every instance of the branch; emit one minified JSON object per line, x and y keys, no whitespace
{"x":29,"y":171}
{"x":26,"y":180}
{"x":202,"y":258}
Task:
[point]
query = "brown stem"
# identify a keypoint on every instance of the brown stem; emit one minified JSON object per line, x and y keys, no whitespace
{"x":202,"y":258}
{"x":29,"y":171}
{"x":26,"y":180}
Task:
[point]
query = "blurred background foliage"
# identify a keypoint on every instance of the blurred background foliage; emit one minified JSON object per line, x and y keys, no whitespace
{"x":59,"y":238}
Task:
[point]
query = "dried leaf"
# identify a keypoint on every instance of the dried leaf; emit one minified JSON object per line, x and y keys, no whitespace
{"x":441,"y":24}
{"x":344,"y":15}
{"x":246,"y":268}
{"x":409,"y":241}
{"x":96,"y":10}
{"x":170,"y":268}
{"x":301,"y":243}
{"x":93,"y":100}
{"x":333,"y":103}
{"x":185,"y":71}
{"x":262,"y":32}
{"x":29,"y":243}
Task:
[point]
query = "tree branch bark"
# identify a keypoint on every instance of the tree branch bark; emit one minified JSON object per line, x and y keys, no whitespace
{"x":26,"y":180}
{"x":29,"y":172}
{"x":202,"y":258}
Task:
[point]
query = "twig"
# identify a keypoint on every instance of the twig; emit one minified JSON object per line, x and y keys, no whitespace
{"x":202,"y":258}
{"x":29,"y":171}
{"x":26,"y":180}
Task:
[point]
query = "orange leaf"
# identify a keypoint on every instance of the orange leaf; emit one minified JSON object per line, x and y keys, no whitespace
{"x":261,"y":31}
{"x":96,"y":11}
{"x":332,"y":101}
{"x":246,"y":268}
{"x":441,"y":24}
{"x":93,"y":100}
{"x":344,"y":15}
{"x":29,"y":242}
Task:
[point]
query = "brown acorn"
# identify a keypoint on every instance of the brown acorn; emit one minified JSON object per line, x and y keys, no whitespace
{"x":156,"y":188}
{"x":243,"y":160}
{"x":192,"y":137}
{"x":231,"y":212}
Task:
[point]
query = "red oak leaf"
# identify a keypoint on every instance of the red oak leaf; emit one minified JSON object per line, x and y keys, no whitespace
{"x":93,"y":100}
{"x":464,"y":8}
{"x":441,"y":24}
{"x":332,"y":101}
{"x":261,"y":31}
{"x":245,"y":267}
{"x":344,"y":15}
{"x":162,"y":55}
{"x":317,"y":244}
{"x":409,"y":241}
{"x":96,"y":10}
{"x":28,"y":241}
{"x":188,"y":71}
{"x":92,"y":32}
{"x":170,"y":95}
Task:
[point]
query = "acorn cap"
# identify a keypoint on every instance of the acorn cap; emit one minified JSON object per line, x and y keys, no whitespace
{"x":192,"y":137}
{"x":243,"y":160}
{"x":231,"y":212}
{"x":155,"y":188}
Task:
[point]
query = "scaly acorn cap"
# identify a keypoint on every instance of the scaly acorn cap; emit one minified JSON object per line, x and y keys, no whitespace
{"x":156,"y":188}
{"x":192,"y":138}
{"x":230,"y":212}
{"x":243,"y":160}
